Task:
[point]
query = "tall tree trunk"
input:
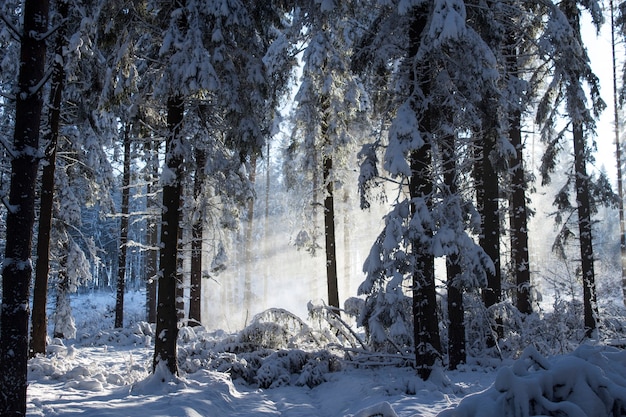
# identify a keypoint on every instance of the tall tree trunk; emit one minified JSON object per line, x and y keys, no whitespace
{"x":180,"y":268}
{"x":266,"y":218}
{"x":518,"y":212}
{"x":590,"y":308}
{"x":167,"y":320}
{"x":519,"y":220}
{"x":618,"y":157}
{"x":425,"y":319}
{"x":247,"y":241}
{"x":152,"y":237}
{"x":584,"y":229}
{"x":329,"y":210}
{"x":39,"y":320}
{"x":17,"y":266}
{"x":456,"y":311}
{"x":197,"y":230}
{"x":63,"y":320}
{"x":123,"y":247}
{"x":487,"y":195}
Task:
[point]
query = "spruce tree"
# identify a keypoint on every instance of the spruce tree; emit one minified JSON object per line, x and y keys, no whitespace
{"x":17,"y":264}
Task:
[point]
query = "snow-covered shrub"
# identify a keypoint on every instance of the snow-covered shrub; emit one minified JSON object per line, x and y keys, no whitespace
{"x":316,"y":368}
{"x":354,"y":306}
{"x":276,"y":369}
{"x":332,"y":328}
{"x":590,"y":382}
{"x":266,"y":335}
{"x":276,"y":328}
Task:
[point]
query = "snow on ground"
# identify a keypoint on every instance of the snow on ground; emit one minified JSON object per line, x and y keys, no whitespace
{"x":106,"y":372}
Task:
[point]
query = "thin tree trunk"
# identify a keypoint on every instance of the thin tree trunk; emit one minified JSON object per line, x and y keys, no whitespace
{"x":17,"y":265}
{"x":121,"y":268}
{"x":180,"y":267}
{"x":425,"y":319}
{"x":39,"y":320}
{"x":167,"y":320}
{"x":518,"y":211}
{"x":584,"y":228}
{"x":590,"y":308}
{"x":266,"y":220}
{"x":197,"y":230}
{"x":247,"y":241}
{"x":152,"y":237}
{"x":63,"y":309}
{"x":329,"y":212}
{"x":618,"y":157}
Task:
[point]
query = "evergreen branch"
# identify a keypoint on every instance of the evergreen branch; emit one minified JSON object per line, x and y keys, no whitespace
{"x":50,"y":32}
{"x":42,"y":82}
{"x":10,"y":208}
{"x":7,"y":96}
{"x":15,"y":32}
{"x":8,"y":147}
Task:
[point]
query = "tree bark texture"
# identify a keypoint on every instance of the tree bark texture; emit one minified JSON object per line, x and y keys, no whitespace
{"x":152,"y":237}
{"x":519,"y":220}
{"x":39,"y":319}
{"x":456,"y":310}
{"x":518,"y":210}
{"x":329,"y":210}
{"x":487,"y":195}
{"x":167,"y":320}
{"x":123,"y":247}
{"x":590,"y":306}
{"x":197,"y":230}
{"x":16,"y":273}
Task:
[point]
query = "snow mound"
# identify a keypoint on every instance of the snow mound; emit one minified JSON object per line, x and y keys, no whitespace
{"x":590,"y":382}
{"x":383,"y":409}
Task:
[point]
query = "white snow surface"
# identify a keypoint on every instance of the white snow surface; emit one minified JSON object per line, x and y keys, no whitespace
{"x":106,"y":372}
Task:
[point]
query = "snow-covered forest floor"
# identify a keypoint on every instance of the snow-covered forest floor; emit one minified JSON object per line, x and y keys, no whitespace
{"x":105,"y":372}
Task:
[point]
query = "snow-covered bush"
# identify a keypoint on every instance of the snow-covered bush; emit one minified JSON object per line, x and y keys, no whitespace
{"x":276,"y":328}
{"x":276,"y":349}
{"x":590,"y":382}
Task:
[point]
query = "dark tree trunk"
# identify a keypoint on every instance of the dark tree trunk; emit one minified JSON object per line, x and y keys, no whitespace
{"x":62,"y":302}
{"x":247,"y":241}
{"x":584,"y":228}
{"x":167,"y":320}
{"x":197,"y":229}
{"x":152,"y":237}
{"x":518,"y":211}
{"x":329,"y":211}
{"x":17,"y":266}
{"x":39,"y":319}
{"x":124,"y":212}
{"x":180,"y":276}
{"x":519,"y":219}
{"x":570,"y":9}
{"x":456,"y":311}
{"x":487,"y":194}
{"x":426,"y":322}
